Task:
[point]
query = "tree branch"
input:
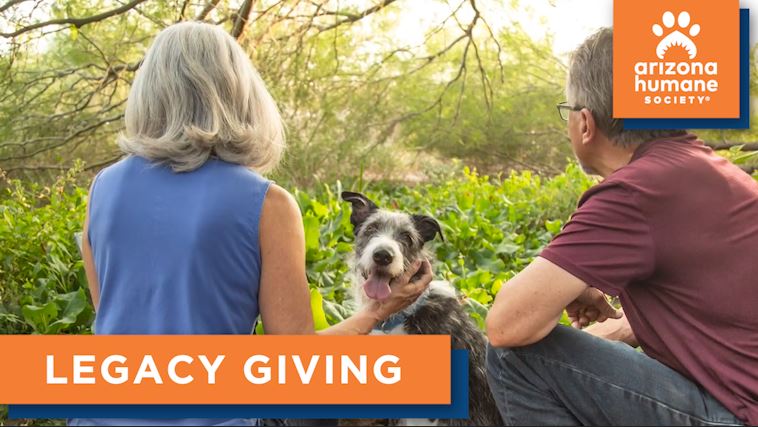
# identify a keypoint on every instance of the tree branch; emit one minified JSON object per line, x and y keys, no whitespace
{"x":10,"y":4}
{"x":206,"y":10}
{"x":76,"y":22}
{"x":353,"y":18}
{"x":64,"y":140}
{"x":725,"y":145}
{"x":242,"y":16}
{"x":183,"y":11}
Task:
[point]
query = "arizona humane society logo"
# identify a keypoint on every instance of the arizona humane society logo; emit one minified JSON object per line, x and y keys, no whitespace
{"x":676,"y":59}
{"x":654,"y":77}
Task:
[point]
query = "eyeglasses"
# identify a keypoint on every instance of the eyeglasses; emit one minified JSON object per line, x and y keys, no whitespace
{"x":564,"y":108}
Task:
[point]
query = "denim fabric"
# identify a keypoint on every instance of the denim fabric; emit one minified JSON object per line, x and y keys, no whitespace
{"x":573,"y":378}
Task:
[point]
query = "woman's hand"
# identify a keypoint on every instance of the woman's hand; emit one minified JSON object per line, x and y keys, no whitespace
{"x":405,"y":290}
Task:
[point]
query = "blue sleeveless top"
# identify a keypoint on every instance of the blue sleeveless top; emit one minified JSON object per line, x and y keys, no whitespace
{"x":176,"y":253}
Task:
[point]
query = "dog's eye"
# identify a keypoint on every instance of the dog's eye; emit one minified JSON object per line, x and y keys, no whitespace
{"x":369,"y":229}
{"x":407,"y":238}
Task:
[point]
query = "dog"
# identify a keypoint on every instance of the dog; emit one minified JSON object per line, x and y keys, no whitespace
{"x":387,"y":243}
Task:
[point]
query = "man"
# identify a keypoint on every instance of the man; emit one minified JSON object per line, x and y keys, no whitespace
{"x":673,"y":231}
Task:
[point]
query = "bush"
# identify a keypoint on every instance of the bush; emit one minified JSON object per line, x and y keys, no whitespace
{"x":43,"y":288}
{"x":493,"y":228}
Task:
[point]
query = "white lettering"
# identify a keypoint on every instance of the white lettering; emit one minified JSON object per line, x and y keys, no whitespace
{"x":122,"y":371}
{"x":211,"y":368}
{"x":305,"y":376}
{"x":80,"y":369}
{"x":359,"y":373}
{"x":264,"y":371}
{"x":182,"y":358}
{"x":147,"y":369}
{"x":51,"y":378}
{"x":394,"y":371}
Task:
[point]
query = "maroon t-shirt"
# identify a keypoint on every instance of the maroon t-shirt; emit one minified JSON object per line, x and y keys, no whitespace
{"x":675,"y":235}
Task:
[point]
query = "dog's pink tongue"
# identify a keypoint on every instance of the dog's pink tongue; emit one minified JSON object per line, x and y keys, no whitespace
{"x":377,"y":286}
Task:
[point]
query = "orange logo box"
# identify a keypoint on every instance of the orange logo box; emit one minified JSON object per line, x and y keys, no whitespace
{"x":224,"y":369}
{"x":676,"y":59}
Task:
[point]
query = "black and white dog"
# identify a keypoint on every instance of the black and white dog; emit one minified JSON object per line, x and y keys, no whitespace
{"x":386,"y":244}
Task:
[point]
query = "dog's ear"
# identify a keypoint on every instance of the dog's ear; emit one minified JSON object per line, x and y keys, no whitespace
{"x":427,"y":227}
{"x":362,"y":207}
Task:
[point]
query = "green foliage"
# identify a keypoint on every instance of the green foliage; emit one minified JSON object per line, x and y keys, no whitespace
{"x":493,"y":227}
{"x":355,"y":94}
{"x":42,"y":283}
{"x":502,"y":114}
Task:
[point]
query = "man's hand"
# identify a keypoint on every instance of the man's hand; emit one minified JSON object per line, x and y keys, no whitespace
{"x":405,"y":290}
{"x":591,"y":306}
{"x":615,"y":330}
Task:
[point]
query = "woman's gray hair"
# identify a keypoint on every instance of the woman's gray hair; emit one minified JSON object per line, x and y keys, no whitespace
{"x":590,"y":85}
{"x":196,"y":95}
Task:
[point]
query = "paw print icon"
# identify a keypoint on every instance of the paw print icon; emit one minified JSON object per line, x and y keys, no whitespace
{"x":671,"y":34}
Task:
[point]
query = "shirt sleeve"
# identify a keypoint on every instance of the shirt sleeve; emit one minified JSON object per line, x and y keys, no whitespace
{"x":607,"y":243}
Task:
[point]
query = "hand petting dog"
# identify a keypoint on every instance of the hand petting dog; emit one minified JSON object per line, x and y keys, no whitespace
{"x":405,"y":289}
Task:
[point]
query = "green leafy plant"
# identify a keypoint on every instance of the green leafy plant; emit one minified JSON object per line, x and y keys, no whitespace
{"x":493,"y":227}
{"x":42,"y":283}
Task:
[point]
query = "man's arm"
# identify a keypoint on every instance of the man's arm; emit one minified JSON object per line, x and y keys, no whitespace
{"x":530,"y":305}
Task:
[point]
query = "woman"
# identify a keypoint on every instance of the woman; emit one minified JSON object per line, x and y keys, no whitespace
{"x":184,"y":236}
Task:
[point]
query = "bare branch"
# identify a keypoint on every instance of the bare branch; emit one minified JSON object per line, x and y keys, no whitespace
{"x":64,"y":140}
{"x":350,"y":18}
{"x":10,"y":4}
{"x":242,"y":16}
{"x":183,"y":11}
{"x":726,"y":145}
{"x":103,"y":163}
{"x":76,"y":22}
{"x":207,"y":10}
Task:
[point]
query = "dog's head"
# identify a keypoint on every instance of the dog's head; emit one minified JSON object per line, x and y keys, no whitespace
{"x":386,"y":243}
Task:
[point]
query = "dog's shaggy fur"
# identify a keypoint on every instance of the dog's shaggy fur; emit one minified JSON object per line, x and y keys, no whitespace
{"x":386,"y":244}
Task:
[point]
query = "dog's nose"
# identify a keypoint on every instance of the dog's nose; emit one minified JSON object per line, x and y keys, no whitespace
{"x":382,"y":257}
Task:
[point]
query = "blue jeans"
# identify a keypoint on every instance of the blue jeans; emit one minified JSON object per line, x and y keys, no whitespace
{"x":574,"y":378}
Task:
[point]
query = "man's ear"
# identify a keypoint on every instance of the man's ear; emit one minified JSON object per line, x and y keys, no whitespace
{"x":427,"y":227}
{"x":588,"y":125}
{"x":362,"y":207}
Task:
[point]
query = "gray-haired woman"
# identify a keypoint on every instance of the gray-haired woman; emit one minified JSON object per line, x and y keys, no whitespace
{"x":184,"y":236}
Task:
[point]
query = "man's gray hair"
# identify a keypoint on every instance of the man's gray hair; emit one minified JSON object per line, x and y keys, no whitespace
{"x":196,"y":95}
{"x":590,"y":85}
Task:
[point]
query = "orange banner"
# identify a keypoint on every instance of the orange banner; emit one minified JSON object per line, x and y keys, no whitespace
{"x":224,"y":369}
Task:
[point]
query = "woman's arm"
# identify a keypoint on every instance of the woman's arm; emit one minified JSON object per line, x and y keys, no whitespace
{"x":89,"y":262}
{"x":284,"y":298}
